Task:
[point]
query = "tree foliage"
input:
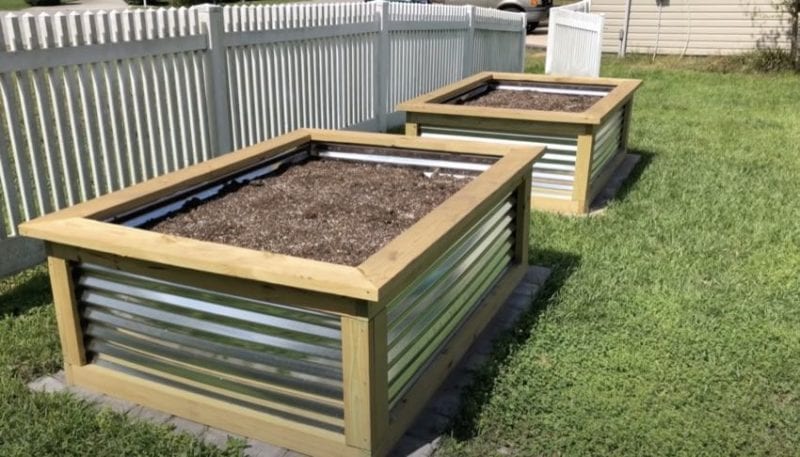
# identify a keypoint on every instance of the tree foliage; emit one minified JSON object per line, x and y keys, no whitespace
{"x":792,"y":8}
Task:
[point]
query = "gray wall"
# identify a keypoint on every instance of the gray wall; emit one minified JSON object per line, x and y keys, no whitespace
{"x":711,"y":26}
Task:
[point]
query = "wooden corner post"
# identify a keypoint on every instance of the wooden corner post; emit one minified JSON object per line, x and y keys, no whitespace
{"x":523,"y":221}
{"x":365,"y":372}
{"x":583,"y":170}
{"x":69,"y":322}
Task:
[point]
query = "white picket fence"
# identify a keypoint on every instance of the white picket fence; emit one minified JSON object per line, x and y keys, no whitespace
{"x":583,"y":6}
{"x":574,"y":40}
{"x":94,"y":102}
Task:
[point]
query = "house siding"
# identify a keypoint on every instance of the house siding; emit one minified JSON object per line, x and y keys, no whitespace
{"x":709,"y":27}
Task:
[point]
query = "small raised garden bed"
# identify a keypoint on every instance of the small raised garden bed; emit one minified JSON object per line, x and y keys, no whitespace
{"x":583,"y":123}
{"x":300,"y":291}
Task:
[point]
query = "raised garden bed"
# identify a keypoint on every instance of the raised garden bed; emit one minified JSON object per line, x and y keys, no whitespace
{"x":583,"y":123}
{"x":329,"y":357}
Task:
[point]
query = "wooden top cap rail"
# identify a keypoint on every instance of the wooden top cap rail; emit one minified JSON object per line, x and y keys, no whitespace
{"x":431,"y":103}
{"x":81,"y":226}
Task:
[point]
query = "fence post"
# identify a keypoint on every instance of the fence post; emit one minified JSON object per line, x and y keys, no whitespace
{"x":216,"y":79}
{"x":523,"y":44}
{"x":381,"y":72}
{"x":469,"y":43}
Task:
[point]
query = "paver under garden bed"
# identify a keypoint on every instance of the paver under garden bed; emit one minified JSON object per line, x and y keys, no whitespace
{"x":583,"y":123}
{"x":323,"y":358}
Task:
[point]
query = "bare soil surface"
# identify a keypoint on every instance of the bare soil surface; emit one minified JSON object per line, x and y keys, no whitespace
{"x":326,"y":210}
{"x":540,"y":101}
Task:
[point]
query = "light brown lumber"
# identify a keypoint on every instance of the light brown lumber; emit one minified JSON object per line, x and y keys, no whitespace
{"x":401,"y":259}
{"x":583,"y":168}
{"x":216,"y":413}
{"x":67,"y":317}
{"x":205,"y":256}
{"x":366,"y":385}
{"x":223,"y":284}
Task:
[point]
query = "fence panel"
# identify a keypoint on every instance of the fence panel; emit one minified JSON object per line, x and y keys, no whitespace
{"x":294,"y":66}
{"x":96,"y":101}
{"x":574,"y":41}
{"x":499,"y":43}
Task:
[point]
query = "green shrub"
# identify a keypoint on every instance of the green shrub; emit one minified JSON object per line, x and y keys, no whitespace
{"x":767,"y":60}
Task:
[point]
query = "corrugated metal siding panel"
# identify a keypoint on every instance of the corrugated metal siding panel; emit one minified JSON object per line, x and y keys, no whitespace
{"x":607,"y":142}
{"x":553,"y":174}
{"x":428,"y":312}
{"x":281,"y":360}
{"x":717,"y":26}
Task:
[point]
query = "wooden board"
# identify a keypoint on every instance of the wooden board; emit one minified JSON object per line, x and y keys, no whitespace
{"x":216,"y":413}
{"x":400,"y":260}
{"x":69,"y":323}
{"x":301,"y":298}
{"x":430,"y":103}
{"x":366,"y":389}
{"x":76,"y":226}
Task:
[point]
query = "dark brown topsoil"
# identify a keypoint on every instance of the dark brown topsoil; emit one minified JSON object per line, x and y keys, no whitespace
{"x":540,"y":101}
{"x":327,"y":210}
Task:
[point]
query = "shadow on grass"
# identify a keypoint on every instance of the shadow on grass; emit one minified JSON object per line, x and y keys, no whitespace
{"x":645,"y":159}
{"x":477,"y":395}
{"x":24,"y":291}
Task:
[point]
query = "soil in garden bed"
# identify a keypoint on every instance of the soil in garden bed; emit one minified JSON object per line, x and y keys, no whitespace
{"x":532,"y":100}
{"x":327,"y":210}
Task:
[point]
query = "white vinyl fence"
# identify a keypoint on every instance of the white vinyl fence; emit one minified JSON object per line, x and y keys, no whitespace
{"x":574,"y":40}
{"x":96,"y":101}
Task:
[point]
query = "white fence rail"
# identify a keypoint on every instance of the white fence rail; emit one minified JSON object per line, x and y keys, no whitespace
{"x":574,"y":40}
{"x":96,"y":101}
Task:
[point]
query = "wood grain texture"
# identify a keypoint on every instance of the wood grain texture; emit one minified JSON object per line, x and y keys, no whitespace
{"x":429,"y":103}
{"x":73,"y":227}
{"x":555,"y":205}
{"x":402,"y":258}
{"x":255,"y":290}
{"x":206,"y":257}
{"x":216,"y":413}
{"x":365,"y":371}
{"x":406,"y":142}
{"x":523,"y":221}
{"x":69,"y":324}
{"x":508,"y":125}
{"x":583,"y":166}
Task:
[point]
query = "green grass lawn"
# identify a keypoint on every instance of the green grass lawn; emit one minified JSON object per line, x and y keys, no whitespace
{"x":671,"y":325}
{"x":12,"y":5}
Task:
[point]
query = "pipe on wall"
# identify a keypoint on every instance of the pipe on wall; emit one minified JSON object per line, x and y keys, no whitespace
{"x":623,"y":45}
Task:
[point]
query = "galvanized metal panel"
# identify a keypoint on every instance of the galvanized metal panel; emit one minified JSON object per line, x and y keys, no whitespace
{"x":271,"y":357}
{"x":607,"y":142}
{"x":553,"y":174}
{"x":425,"y":315}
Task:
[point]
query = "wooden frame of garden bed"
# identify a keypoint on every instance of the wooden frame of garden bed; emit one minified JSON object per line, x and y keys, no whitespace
{"x":432,"y":112}
{"x":356,"y":296}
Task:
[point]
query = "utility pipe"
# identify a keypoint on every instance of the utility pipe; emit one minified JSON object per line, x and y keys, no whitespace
{"x":623,"y":47}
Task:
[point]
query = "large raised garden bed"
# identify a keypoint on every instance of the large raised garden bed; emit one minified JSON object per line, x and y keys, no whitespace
{"x":583,"y":123}
{"x":166,"y":297}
